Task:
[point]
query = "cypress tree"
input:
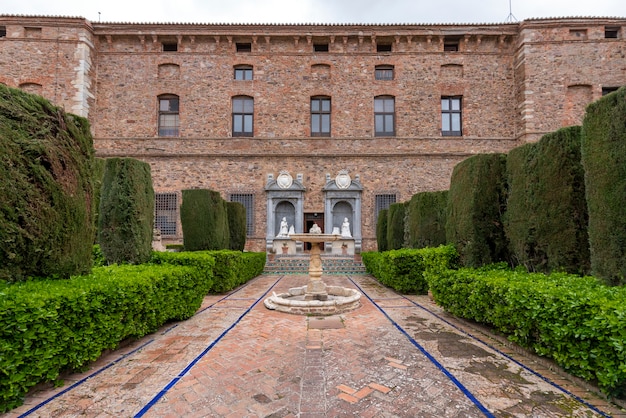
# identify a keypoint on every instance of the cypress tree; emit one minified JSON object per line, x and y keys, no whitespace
{"x":236,"y":225}
{"x":427,"y":219}
{"x":381,"y":230}
{"x":126,"y":220}
{"x":204,"y":220}
{"x":395,"y":226}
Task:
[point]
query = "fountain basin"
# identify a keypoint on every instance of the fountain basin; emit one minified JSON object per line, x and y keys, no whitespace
{"x":339,"y":299}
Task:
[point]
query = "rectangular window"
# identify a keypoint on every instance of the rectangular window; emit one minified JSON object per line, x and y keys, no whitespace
{"x":243,"y":47}
{"x":243,"y":116}
{"x":169,"y":122}
{"x":607,"y":90}
{"x":166,"y":213}
{"x":384,"y":116}
{"x":611,"y":32}
{"x":247,"y":200}
{"x":383,"y":201}
{"x":170,"y":47}
{"x":450,"y":43}
{"x":243,"y":72}
{"x":383,"y":72}
{"x":3,"y":31}
{"x":320,"y":116}
{"x":320,"y":47}
{"x":383,"y":47}
{"x":451,"y":116}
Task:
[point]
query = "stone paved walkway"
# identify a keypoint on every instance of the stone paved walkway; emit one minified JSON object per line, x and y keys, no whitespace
{"x":395,"y":356}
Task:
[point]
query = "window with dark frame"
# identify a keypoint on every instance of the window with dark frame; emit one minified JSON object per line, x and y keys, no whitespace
{"x":384,"y":116}
{"x":382,"y":201}
{"x":320,"y":47}
{"x":166,"y":213}
{"x":170,"y":46}
{"x":169,"y":121}
{"x":3,"y":31}
{"x":607,"y":90}
{"x":243,"y":47}
{"x":243,"y":72}
{"x":243,"y":116}
{"x":320,"y":116}
{"x":383,"y":47}
{"x":611,"y":32}
{"x":247,"y":200}
{"x":384,"y":72}
{"x":451,"y":116}
{"x":450,"y":44}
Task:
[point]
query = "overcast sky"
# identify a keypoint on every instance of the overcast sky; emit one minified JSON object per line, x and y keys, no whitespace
{"x":314,"y":11}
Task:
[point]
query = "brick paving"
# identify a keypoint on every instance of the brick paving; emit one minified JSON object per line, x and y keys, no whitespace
{"x":395,"y":356}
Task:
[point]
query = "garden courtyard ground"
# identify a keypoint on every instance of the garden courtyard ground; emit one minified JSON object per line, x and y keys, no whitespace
{"x":395,"y":356}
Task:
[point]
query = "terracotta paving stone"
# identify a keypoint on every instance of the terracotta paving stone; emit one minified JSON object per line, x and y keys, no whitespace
{"x":275,"y":365}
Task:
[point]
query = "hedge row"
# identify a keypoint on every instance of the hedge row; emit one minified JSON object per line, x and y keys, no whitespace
{"x":427,"y":219}
{"x":407,"y":270}
{"x":204,"y":219}
{"x":575,"y":320}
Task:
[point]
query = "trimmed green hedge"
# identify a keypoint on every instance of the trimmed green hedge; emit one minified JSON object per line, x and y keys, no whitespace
{"x":407,"y":270}
{"x":236,"y":225}
{"x":381,"y":230}
{"x":546,"y":214}
{"x":234,"y":268}
{"x":575,"y":320}
{"x":427,"y":219}
{"x":204,"y":220}
{"x":395,"y":226}
{"x":476,"y":203}
{"x":48,"y":326}
{"x":604,"y":160}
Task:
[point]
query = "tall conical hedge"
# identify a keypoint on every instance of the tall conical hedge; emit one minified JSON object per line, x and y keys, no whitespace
{"x":204,"y":220}
{"x":126,"y":221}
{"x":476,"y":203}
{"x":395,"y":226}
{"x":604,"y":160}
{"x":427,"y":219}
{"x":381,"y":230}
{"x":46,"y":189}
{"x":546,"y":215}
{"x":236,"y":225}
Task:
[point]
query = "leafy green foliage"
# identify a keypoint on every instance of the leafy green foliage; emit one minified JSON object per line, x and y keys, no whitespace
{"x":476,"y":203}
{"x":234,"y":268}
{"x":604,"y":160}
{"x":46,"y":189}
{"x":205,"y":220}
{"x":575,"y":320}
{"x":395,"y":226}
{"x":381,"y":230}
{"x":546,"y":215}
{"x":427,"y":219}
{"x":236,"y":225}
{"x":408,"y":270}
{"x":126,"y":221}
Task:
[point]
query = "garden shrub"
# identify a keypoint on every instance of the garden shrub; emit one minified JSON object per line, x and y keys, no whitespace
{"x":604,"y":159}
{"x":575,"y":320}
{"x":126,"y":220}
{"x":395,"y":226}
{"x":236,"y":225}
{"x":408,"y":270}
{"x":46,"y":189}
{"x":427,"y":219}
{"x":204,"y":220}
{"x":546,"y":214}
{"x":234,"y":268}
{"x":476,"y":202}
{"x":381,"y":230}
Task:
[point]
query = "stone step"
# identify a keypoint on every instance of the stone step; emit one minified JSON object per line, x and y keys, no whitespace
{"x":300,"y":265}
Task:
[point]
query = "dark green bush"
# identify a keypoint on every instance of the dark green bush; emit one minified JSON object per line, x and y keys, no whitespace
{"x":98,"y":175}
{"x":604,"y":160}
{"x":381,"y":230}
{"x":126,"y":221}
{"x":476,"y":202}
{"x":204,"y":220}
{"x":408,"y":270}
{"x":236,"y":225}
{"x":427,"y":219}
{"x":546,"y":215}
{"x":46,"y":189}
{"x":234,"y":268}
{"x":47,"y":327}
{"x":395,"y":226}
{"x":574,"y":320}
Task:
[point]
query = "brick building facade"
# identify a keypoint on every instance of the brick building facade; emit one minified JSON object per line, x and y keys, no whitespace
{"x":314,"y":123}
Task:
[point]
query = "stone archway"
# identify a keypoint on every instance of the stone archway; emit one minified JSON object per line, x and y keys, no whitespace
{"x":342,"y":199}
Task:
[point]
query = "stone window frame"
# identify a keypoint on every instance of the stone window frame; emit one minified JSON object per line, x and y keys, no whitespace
{"x":321,"y":47}
{"x":243,"y":47}
{"x":243,"y":72}
{"x":319,"y":114}
{"x":383,"y":200}
{"x":450,"y":112}
{"x":451,"y":44}
{"x":384,"y":47}
{"x":383,"y":116}
{"x":247,"y":200}
{"x":169,"y":115}
{"x":242,"y":116}
{"x":169,"y":46}
{"x":384,"y":72}
{"x":611,"y":32}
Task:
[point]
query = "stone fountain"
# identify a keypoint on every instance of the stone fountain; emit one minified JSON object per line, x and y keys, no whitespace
{"x":315,"y":298}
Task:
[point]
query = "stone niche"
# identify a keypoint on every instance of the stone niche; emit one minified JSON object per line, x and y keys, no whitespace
{"x":284,"y":246}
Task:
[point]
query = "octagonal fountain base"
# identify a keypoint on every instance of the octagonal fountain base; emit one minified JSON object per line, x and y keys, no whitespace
{"x":297,"y":301}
